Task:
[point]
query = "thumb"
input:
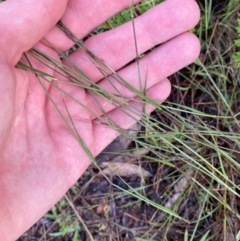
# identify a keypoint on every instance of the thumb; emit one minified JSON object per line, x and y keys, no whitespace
{"x":24,"y":23}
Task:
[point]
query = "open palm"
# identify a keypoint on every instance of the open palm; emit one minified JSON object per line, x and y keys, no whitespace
{"x":40,"y":158}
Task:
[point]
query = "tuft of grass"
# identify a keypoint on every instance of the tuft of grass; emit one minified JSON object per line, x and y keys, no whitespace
{"x":190,"y":145}
{"x":236,"y":55}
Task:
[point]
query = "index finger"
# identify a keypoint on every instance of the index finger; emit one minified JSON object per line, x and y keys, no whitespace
{"x":82,"y":17}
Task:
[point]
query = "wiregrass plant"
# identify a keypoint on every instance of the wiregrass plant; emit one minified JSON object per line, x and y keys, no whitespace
{"x":194,"y":138}
{"x":236,"y":55}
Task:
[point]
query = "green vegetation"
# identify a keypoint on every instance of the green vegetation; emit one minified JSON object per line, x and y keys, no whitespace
{"x":190,"y":145}
{"x":236,"y":55}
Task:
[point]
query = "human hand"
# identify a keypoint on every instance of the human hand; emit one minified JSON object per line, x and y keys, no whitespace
{"x":40,"y":159}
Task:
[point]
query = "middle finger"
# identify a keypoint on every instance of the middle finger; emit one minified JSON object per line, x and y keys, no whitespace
{"x":158,"y":25}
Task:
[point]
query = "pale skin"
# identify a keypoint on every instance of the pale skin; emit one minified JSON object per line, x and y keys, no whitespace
{"x":40,"y":159}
